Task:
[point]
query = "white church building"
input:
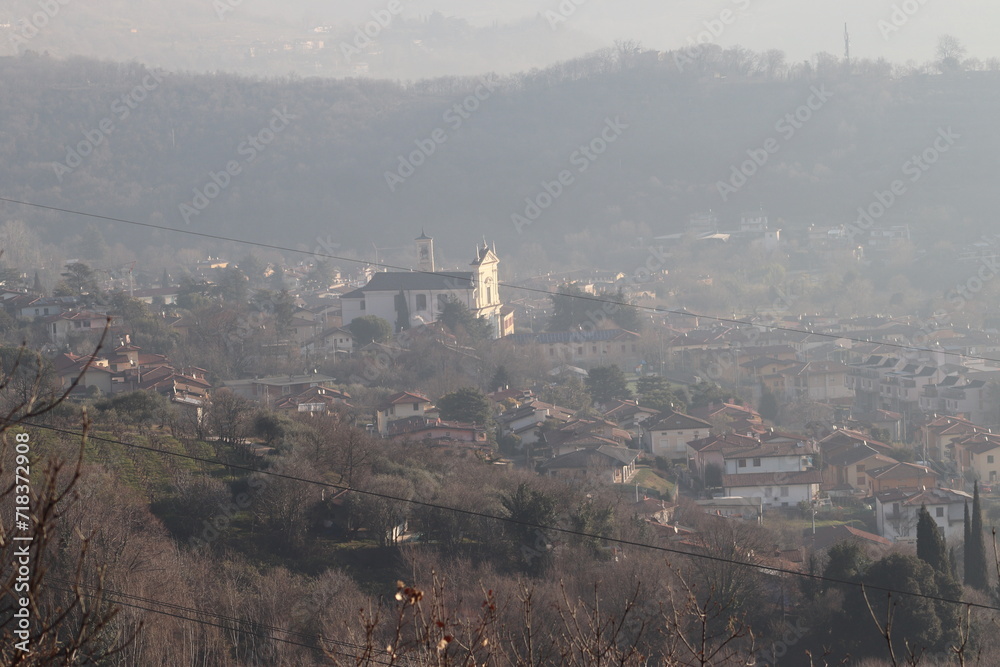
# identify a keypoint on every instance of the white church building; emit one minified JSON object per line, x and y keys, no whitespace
{"x":421,"y":295}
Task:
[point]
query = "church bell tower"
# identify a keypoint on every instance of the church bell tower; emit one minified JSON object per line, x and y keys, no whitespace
{"x":425,"y":253}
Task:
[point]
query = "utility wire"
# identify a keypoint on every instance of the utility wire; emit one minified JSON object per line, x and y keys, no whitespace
{"x":204,"y":622}
{"x":223,"y":617}
{"x":529,"y":524}
{"x":535,"y":290}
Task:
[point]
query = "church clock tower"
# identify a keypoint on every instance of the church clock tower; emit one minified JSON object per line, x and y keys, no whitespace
{"x":425,"y":253}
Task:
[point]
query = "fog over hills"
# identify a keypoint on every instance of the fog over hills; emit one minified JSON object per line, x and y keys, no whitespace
{"x":364,"y":160}
{"x":445,"y":37}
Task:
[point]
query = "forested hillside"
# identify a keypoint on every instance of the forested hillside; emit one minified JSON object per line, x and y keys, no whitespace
{"x":683,"y":123}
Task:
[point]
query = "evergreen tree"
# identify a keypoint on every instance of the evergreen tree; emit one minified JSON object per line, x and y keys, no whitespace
{"x":930,"y":544}
{"x":607,"y":383}
{"x":976,"y":572}
{"x":402,"y":312}
{"x":36,"y":287}
{"x":165,"y":280}
{"x":966,"y":542}
{"x":501,"y":379}
{"x":768,"y":406}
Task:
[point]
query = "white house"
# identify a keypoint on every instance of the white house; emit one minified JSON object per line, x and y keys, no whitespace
{"x":668,"y":434}
{"x":780,"y":474}
{"x":896,"y":512}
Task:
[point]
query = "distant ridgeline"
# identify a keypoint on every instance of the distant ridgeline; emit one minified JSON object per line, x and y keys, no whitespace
{"x":292,"y":160}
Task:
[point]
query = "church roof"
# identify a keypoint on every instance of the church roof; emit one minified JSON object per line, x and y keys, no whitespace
{"x":393,"y":281}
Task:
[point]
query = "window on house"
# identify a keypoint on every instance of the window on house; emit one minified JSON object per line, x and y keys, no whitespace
{"x":421,"y":302}
{"x":362,"y":304}
{"x":756,"y":462}
{"x":742,"y":463}
{"x":489,"y":295}
{"x":442,"y":300}
{"x":938,"y":511}
{"x":579,"y":350}
{"x":989,"y":458}
{"x":416,"y":406}
{"x":860,"y":468}
{"x":768,"y":491}
{"x":784,"y":491}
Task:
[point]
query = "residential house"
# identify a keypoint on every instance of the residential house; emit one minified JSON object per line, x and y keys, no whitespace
{"x":267,"y":390}
{"x":399,"y":406}
{"x":825,"y":537}
{"x":60,"y":327}
{"x":332,"y":341}
{"x":706,"y":453}
{"x":959,"y":396}
{"x":668,"y":435}
{"x":896,"y":512}
{"x":584,"y":347}
{"x":978,"y":454}
{"x":630,"y":416}
{"x":44,"y":306}
{"x":843,"y":439}
{"x":849,"y":468}
{"x":436,"y":432}
{"x":739,"y":418}
{"x":528,"y":420}
{"x":579,"y":433}
{"x":314,"y":400}
{"x":816,"y":381}
{"x":900,"y":475}
{"x":781,"y":474}
{"x":605,"y":463}
{"x":937,"y":436}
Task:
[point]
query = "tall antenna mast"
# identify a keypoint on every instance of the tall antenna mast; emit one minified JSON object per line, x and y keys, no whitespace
{"x":847,"y":45}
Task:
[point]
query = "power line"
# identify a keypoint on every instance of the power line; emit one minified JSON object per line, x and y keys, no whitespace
{"x":204,"y":622}
{"x":535,"y":290}
{"x":529,"y":524}
{"x":224,"y":617}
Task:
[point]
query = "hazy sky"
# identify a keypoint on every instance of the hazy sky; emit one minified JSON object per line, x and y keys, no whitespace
{"x":800,"y":27}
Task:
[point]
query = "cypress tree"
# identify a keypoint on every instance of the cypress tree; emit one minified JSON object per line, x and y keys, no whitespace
{"x":977,"y":574}
{"x":967,"y":547}
{"x":930,"y":544}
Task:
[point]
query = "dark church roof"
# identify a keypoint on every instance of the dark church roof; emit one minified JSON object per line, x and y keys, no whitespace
{"x":393,"y":281}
